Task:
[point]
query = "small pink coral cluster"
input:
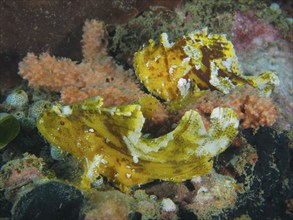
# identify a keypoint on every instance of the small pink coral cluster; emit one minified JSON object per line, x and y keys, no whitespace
{"x":97,"y":74}
{"x":253,"y":111}
{"x":259,"y":111}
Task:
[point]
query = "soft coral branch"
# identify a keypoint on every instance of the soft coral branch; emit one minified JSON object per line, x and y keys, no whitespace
{"x":97,"y":74}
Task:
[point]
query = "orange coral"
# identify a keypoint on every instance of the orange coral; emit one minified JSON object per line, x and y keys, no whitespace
{"x":259,"y":111}
{"x":253,"y":111}
{"x":97,"y":74}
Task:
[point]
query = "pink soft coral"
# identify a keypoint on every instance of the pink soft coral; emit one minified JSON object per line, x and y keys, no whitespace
{"x":97,"y":74}
{"x":252,"y":111}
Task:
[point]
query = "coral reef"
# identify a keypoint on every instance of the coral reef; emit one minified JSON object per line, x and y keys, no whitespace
{"x":170,"y":147}
{"x":96,"y":75}
{"x":177,"y":72}
{"x":109,"y":142}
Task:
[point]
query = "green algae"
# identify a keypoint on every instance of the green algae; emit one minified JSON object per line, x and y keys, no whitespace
{"x":9,"y":129}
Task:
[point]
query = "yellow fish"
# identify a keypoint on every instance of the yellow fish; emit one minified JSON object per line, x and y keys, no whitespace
{"x":109,"y":142}
{"x":196,"y":62}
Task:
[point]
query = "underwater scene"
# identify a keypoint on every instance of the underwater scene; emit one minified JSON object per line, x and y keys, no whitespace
{"x":146,"y":109}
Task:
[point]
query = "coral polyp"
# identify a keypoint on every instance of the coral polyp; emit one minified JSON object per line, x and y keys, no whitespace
{"x":110,"y":142}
